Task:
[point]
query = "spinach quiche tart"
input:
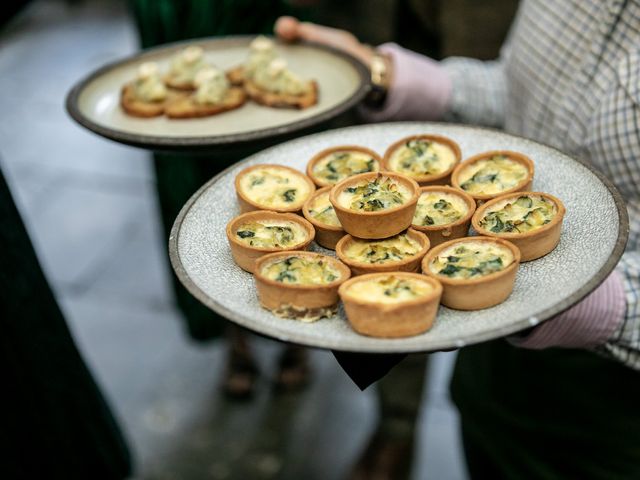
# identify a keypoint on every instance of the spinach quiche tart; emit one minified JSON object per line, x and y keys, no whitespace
{"x":300,"y":285}
{"x":443,"y":213}
{"x":428,"y":159}
{"x":400,"y":253}
{"x":491,"y":174}
{"x":254,"y":234}
{"x":319,"y":211}
{"x":389,"y":305}
{"x":375,"y":205}
{"x":334,"y":164}
{"x":476,"y":272}
{"x":272,"y":187}
{"x":532,"y":221}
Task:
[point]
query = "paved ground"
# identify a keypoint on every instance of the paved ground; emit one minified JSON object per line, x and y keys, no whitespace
{"x":89,"y":205}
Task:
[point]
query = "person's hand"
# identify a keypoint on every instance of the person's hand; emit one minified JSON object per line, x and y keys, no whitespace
{"x":291,"y":29}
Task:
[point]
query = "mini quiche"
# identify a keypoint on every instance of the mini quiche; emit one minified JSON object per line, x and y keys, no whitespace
{"x":428,"y":159}
{"x":319,"y":211}
{"x":184,"y":67}
{"x":391,"y":305}
{"x":375,"y":205}
{"x":443,"y":213}
{"x":146,"y":96}
{"x":272,"y":187}
{"x":532,"y":221}
{"x":400,"y":253}
{"x":334,"y":164}
{"x":300,"y":285}
{"x":476,"y":272}
{"x":491,"y":174}
{"x":254,"y":234}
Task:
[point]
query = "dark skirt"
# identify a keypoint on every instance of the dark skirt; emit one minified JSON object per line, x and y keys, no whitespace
{"x":54,"y":424}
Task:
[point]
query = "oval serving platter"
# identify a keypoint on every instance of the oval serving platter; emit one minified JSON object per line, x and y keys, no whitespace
{"x":586,"y":254}
{"x":93,"y":102}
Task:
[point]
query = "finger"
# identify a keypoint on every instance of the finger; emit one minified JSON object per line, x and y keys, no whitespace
{"x":287,"y":28}
{"x":321,"y":34}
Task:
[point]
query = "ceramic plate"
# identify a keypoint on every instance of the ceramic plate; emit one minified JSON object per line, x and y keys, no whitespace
{"x":94,"y":102}
{"x":587,"y":252}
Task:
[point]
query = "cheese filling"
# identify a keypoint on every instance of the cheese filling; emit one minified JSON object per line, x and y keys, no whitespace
{"x":471,"y":259}
{"x":420,"y":157}
{"x":381,"y":193}
{"x":271,"y":234}
{"x":322,"y":211}
{"x":186,"y":64}
{"x":492,"y":175}
{"x":212,"y":86}
{"x":524,"y":214}
{"x":342,"y":164}
{"x":389,"y":289}
{"x":148,"y":86}
{"x":277,"y":78}
{"x":262,"y":52}
{"x":439,"y":208}
{"x":301,"y":271}
{"x":392,"y":249}
{"x":276,"y":188}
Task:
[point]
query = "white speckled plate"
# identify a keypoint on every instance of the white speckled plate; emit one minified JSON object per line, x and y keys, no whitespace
{"x":94,"y":101}
{"x":587,"y":252}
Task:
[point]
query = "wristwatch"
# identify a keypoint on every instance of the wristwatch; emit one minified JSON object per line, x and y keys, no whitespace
{"x":380,"y":80}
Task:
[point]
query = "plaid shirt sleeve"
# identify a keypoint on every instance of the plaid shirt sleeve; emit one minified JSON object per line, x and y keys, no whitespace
{"x":479,"y":94}
{"x":584,"y":99}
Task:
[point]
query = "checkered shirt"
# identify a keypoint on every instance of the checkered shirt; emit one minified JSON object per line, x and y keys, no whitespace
{"x":569,"y":76}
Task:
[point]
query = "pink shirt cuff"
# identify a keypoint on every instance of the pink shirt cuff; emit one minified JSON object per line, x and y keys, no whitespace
{"x":588,"y":324}
{"x":420,"y":89}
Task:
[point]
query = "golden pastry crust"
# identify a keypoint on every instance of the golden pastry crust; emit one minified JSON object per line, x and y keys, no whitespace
{"x":246,"y":255}
{"x":187,"y":107}
{"x":479,"y":292}
{"x":532,"y":244}
{"x":281,"y":100}
{"x":321,"y":182}
{"x":411,"y":263}
{"x":442,"y":233}
{"x":327,"y":236}
{"x":392,"y":320}
{"x":305,"y":302}
{"x":382,"y":223}
{"x":137,"y":108}
{"x":441,"y":178}
{"x":523,"y":185}
{"x":248,"y":204}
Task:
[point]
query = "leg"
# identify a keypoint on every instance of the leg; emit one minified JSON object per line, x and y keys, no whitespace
{"x":389,"y":452}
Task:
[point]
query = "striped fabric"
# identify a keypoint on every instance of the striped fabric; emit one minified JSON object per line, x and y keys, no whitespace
{"x":569,"y":76}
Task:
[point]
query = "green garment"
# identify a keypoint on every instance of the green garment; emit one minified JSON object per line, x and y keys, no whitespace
{"x":551,"y":414}
{"x":55,"y":422}
{"x":180,"y":175}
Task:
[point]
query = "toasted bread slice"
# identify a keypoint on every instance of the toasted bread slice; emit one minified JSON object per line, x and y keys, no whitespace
{"x":235,"y":76}
{"x":171,"y":82}
{"x":188,"y":108}
{"x":279,"y":100}
{"x":131,"y":105}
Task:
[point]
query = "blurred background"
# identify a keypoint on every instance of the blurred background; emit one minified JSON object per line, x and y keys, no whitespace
{"x":91,"y":209}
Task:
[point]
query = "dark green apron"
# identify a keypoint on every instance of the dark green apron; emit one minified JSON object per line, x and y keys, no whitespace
{"x":54,"y":423}
{"x":178,"y":176}
{"x":552,"y":414}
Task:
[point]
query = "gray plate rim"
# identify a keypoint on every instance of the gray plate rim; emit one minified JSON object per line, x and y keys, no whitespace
{"x":489,"y":334}
{"x":204,"y":142}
